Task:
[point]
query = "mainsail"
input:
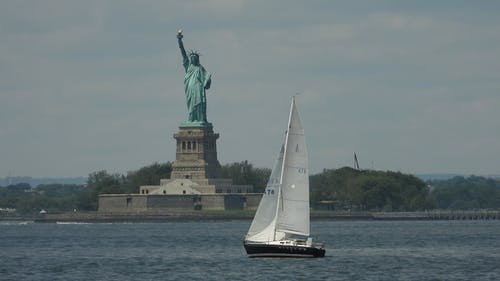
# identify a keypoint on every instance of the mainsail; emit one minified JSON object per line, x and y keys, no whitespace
{"x":284,"y":207}
{"x":293,"y":216}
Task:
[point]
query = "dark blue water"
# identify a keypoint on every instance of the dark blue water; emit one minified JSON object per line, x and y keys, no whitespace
{"x":356,"y":250}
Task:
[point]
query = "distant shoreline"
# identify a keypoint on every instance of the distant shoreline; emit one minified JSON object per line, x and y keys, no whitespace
{"x":96,"y":217}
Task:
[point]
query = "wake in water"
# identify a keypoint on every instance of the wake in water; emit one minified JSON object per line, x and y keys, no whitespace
{"x":16,"y":222}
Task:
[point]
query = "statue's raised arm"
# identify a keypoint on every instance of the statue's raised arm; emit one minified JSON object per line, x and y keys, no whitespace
{"x":185,"y":58}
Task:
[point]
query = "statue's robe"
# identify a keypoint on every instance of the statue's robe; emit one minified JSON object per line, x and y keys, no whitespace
{"x":196,"y":80}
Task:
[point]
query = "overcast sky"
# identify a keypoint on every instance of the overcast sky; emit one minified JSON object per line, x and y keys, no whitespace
{"x":411,"y":86}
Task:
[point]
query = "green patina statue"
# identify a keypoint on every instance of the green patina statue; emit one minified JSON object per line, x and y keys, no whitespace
{"x":196,"y":81}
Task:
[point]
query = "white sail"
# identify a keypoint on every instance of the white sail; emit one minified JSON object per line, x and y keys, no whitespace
{"x":284,"y":207}
{"x":264,"y":223}
{"x":293,"y":214}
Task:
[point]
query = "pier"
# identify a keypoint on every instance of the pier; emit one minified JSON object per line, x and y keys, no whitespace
{"x":439,"y":215}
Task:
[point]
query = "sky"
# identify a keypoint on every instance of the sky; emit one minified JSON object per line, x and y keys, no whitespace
{"x":410,"y":86}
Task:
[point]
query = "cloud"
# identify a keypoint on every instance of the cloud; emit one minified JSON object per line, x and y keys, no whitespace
{"x":98,"y":84}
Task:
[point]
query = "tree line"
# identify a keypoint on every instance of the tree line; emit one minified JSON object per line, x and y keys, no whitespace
{"x":49,"y":197}
{"x":369,"y":190}
{"x":338,"y":189}
{"x":70,"y":197}
{"x":466,"y":193}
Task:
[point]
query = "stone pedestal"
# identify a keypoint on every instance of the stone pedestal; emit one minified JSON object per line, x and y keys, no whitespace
{"x":196,"y":153}
{"x":196,"y":170}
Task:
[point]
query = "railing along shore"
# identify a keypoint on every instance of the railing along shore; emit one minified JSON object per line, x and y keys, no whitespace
{"x":420,"y":215}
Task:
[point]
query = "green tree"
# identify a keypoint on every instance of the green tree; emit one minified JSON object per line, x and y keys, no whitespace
{"x":12,"y":195}
{"x":59,"y":190}
{"x":244,"y":173}
{"x":149,"y":175}
{"x":103,"y":183}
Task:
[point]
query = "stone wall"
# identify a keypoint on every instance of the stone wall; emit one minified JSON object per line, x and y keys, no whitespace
{"x":123,"y":203}
{"x":253,"y":200}
{"x":172,"y":202}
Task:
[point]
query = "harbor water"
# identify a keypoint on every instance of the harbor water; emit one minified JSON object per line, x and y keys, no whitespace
{"x":201,"y":250}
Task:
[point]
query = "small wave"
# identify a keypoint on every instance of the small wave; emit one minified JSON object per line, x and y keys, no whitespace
{"x":71,"y":222}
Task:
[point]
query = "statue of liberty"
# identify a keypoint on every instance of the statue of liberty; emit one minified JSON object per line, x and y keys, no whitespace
{"x":196,"y":81}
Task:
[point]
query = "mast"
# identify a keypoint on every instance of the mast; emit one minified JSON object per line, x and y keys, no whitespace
{"x":280,"y":194}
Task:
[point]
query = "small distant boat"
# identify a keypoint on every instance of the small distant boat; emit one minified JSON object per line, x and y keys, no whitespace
{"x":281,"y":226}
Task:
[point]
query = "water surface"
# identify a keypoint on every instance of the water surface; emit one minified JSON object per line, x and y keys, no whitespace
{"x":356,"y":250}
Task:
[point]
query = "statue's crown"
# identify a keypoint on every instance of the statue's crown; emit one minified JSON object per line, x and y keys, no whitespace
{"x":194,"y":53}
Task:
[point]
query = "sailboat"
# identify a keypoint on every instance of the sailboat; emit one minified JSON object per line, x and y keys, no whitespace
{"x":281,"y":226}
